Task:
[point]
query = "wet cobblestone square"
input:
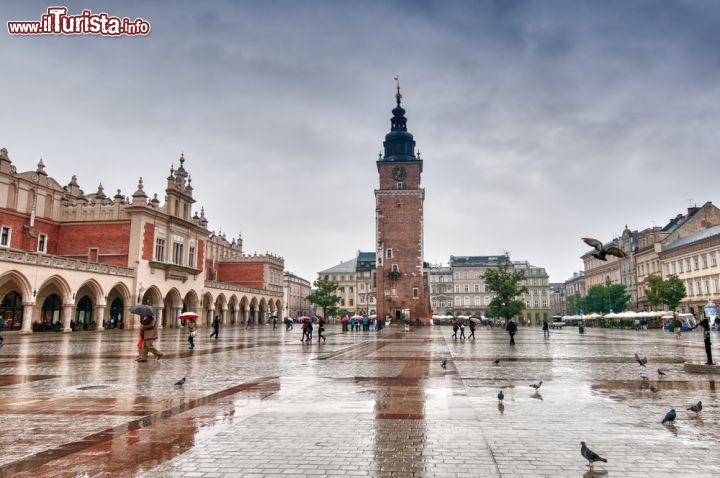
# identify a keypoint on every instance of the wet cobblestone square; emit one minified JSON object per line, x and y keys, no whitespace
{"x":258,"y":402}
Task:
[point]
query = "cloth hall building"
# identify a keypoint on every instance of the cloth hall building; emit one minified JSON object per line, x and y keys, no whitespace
{"x":76,"y":261}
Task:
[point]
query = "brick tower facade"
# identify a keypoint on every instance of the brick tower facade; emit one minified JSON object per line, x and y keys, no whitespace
{"x":401,"y":283}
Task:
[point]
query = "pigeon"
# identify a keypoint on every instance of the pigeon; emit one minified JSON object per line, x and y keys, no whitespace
{"x":641,"y":361}
{"x":496,"y":362}
{"x":669,"y":416}
{"x":660,"y":372}
{"x":536,"y":385}
{"x":600,"y":251}
{"x":181,"y":381}
{"x":501,"y":395}
{"x":653,"y":388}
{"x":644,"y":377}
{"x":697,"y":408}
{"x":444,"y":363}
{"x":590,"y":455}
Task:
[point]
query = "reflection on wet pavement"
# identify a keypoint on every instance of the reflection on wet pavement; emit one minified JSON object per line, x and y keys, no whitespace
{"x":259,"y":403}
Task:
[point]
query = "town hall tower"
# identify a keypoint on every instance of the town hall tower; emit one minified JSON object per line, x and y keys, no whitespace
{"x":401,"y":285}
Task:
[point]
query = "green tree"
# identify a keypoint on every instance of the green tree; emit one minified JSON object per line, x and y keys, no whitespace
{"x":505,"y":283}
{"x":668,"y":291}
{"x":324,"y":295}
{"x":603,"y":299}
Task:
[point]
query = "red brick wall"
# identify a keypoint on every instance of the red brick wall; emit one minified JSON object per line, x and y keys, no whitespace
{"x":200,"y":254}
{"x":112,"y":239}
{"x":246,"y":274}
{"x":148,"y":242}
{"x":21,"y":239}
{"x":400,"y":229}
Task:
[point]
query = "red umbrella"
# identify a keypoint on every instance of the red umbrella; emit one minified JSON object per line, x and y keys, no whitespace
{"x":188,"y":316}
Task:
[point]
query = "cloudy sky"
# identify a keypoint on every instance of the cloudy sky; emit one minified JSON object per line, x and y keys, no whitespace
{"x":538,"y":121}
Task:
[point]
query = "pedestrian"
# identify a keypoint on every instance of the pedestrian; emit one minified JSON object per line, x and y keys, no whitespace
{"x":2,"y":326}
{"x":705,"y":324}
{"x":304,"y":330}
{"x":546,"y":329}
{"x":352,"y":323}
{"x":455,"y":328}
{"x":309,"y":330}
{"x":216,"y":328}
{"x":149,"y":336}
{"x":321,"y":329}
{"x":192,"y":332}
{"x":472,"y":330}
{"x":678,"y":327}
{"x":274,"y":319}
{"x":512,"y":330}
{"x":462,"y":331}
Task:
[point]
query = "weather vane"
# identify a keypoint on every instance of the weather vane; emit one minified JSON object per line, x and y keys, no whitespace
{"x":398,"y":95}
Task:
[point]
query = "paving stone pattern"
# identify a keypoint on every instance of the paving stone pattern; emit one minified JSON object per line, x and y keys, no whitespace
{"x":259,"y":403}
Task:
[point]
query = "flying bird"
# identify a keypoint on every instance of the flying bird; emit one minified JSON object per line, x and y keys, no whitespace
{"x":669,"y":416}
{"x":501,"y":395}
{"x":642,"y":361}
{"x":497,"y":361}
{"x":660,"y":372}
{"x":444,"y":363}
{"x":697,"y":408}
{"x":600,"y":251}
{"x":536,"y":385}
{"x":590,"y":455}
{"x":181,"y":381}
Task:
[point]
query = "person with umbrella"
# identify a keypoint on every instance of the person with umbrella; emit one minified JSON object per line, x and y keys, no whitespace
{"x":192,"y":331}
{"x":149,"y":335}
{"x":471,"y":324}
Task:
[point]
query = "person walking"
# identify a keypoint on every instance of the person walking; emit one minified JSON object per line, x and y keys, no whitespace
{"x":274,"y":319}
{"x":309,"y":330}
{"x":462,"y":331}
{"x":2,"y":326}
{"x":455,"y":328}
{"x":216,"y":328}
{"x":512,"y":330}
{"x":304,"y":330}
{"x":472,"y":330}
{"x":192,"y":332}
{"x":321,"y":329}
{"x":149,"y":336}
{"x":546,"y":329}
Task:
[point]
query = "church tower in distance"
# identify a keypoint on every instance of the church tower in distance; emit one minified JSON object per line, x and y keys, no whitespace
{"x":401,"y":285}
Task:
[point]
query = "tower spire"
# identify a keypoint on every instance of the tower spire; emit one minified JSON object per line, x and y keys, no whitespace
{"x":398,"y":96}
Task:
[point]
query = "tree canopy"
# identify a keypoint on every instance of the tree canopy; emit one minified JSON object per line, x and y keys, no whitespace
{"x":505,"y":283}
{"x":603,"y":299}
{"x":324,"y":296}
{"x":668,"y":291}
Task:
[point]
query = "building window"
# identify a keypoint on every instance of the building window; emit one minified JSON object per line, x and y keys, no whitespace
{"x":704,"y":261}
{"x":487,"y":300}
{"x":160,"y":249}
{"x":680,"y":267}
{"x":466,"y":288}
{"x":177,"y":253}
{"x":713,"y":260}
{"x":191,"y":257}
{"x":478,"y":300}
{"x":466,"y":300}
{"x":416,"y":293}
{"x":342,"y":302}
{"x":351,"y":302}
{"x":476,"y":288}
{"x":696,"y":262}
{"x":458,"y":300}
{"x":388,"y":254}
{"x":5,"y":236}
{"x":457,"y":288}
{"x":42,"y":243}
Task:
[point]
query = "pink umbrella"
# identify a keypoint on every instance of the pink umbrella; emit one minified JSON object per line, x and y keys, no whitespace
{"x":304,"y":317}
{"x":188,"y":316}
